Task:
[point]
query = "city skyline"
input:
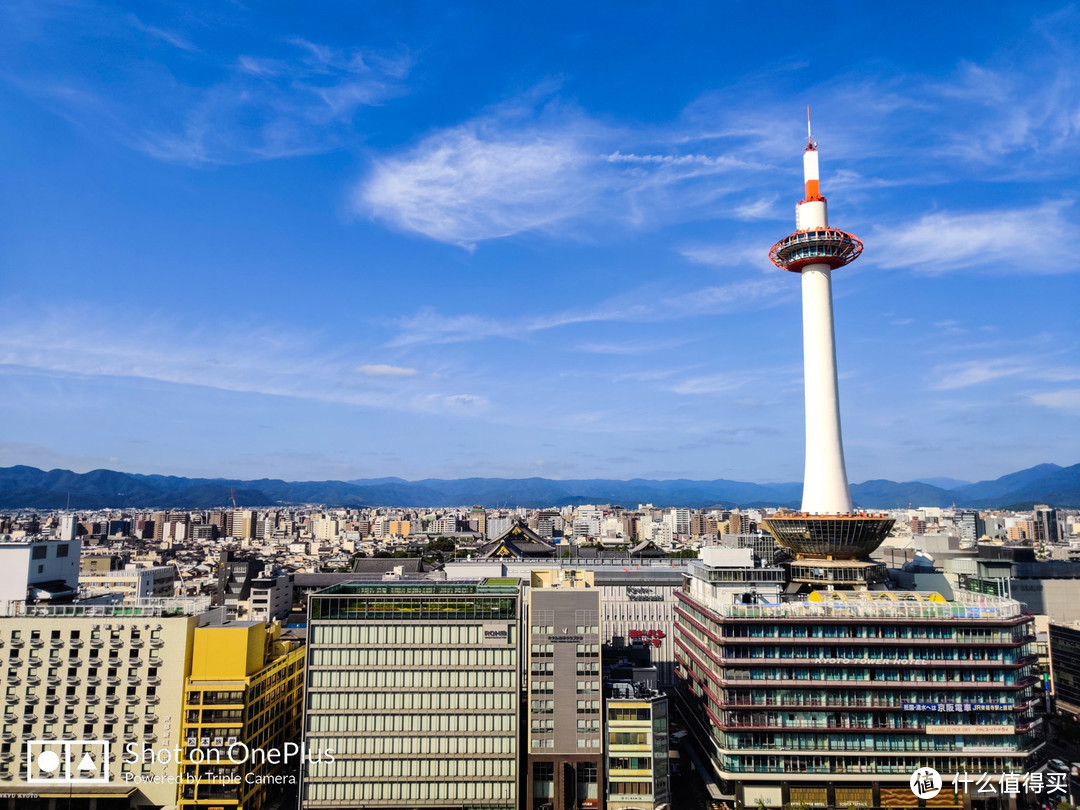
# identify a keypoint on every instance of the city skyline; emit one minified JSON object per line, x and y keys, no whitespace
{"x":462,"y":242}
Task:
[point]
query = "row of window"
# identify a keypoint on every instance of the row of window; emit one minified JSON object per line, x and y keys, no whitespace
{"x":384,"y":791}
{"x":407,"y":634}
{"x":417,"y":768}
{"x":400,"y":745}
{"x":411,"y":723}
{"x":410,"y":658}
{"x":774,"y":763}
{"x":870,"y":742}
{"x":421,"y":679}
{"x":401,"y":701}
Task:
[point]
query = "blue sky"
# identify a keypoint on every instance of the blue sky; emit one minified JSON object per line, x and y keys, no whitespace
{"x":430,"y":239}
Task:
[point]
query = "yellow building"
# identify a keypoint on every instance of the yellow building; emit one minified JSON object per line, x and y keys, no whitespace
{"x":637,"y":748}
{"x":399,"y":528}
{"x":243,"y":711}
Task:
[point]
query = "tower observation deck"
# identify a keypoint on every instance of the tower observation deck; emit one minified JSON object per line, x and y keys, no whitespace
{"x":827,"y":531}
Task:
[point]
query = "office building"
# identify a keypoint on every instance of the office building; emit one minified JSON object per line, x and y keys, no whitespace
{"x":1065,"y":667}
{"x":243,"y":699}
{"x":415,"y":687}
{"x":1045,"y":523}
{"x":565,"y":757}
{"x":131,"y":583}
{"x":270,"y":598}
{"x":636,"y":736}
{"x":836,"y":698}
{"x":235,"y":575}
{"x":37,"y":569}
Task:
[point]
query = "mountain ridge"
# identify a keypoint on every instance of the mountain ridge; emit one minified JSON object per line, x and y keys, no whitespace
{"x":24,"y":487}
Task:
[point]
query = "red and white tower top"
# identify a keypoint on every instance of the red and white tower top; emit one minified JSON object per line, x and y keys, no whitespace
{"x":814,"y":242}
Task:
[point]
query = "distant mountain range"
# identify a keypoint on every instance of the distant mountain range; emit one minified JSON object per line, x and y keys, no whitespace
{"x":30,"y":488}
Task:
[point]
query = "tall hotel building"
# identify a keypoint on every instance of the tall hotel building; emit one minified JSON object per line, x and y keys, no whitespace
{"x":413,"y":695}
{"x":836,"y":698}
{"x":113,"y":674}
{"x":565,"y":753}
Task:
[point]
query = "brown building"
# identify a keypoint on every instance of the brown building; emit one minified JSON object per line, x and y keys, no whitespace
{"x":566,"y":749}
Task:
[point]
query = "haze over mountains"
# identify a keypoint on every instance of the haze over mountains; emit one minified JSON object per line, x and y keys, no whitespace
{"x":30,"y":488}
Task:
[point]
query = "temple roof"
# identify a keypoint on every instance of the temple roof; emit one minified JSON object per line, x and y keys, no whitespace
{"x":519,"y":541}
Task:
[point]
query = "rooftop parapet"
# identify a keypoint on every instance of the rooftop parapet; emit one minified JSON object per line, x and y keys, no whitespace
{"x":165,"y":606}
{"x":877,"y":605}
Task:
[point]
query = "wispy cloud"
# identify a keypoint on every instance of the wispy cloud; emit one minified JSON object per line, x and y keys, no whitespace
{"x":427,"y":326}
{"x":296,"y":98}
{"x":254,"y":360}
{"x":380,"y":370}
{"x":1017,"y":240}
{"x":952,"y":376}
{"x":535,"y":163}
{"x":1064,"y":400}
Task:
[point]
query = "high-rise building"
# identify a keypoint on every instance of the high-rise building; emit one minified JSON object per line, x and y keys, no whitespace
{"x":235,"y":575}
{"x":834,"y":700}
{"x":638,"y":772}
{"x":1045,"y":523}
{"x":565,"y":762}
{"x":243,"y":708}
{"x":1065,"y":667}
{"x":969,"y":526}
{"x":107,"y":673}
{"x":414,"y":686}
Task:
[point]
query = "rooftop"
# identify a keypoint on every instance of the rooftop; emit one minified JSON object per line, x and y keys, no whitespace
{"x":171,"y":606}
{"x":877,"y":605}
{"x":494,"y":585}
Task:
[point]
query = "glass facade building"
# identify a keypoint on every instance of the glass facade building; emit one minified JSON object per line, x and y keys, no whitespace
{"x":412,"y":695}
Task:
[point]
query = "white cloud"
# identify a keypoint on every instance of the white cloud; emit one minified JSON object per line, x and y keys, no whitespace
{"x":464,"y":185}
{"x":1019,"y":240}
{"x":244,"y":108}
{"x":1065,"y":400}
{"x":638,"y":306}
{"x":381,"y":370}
{"x":254,"y":360}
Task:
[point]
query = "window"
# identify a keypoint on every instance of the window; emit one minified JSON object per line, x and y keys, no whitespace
{"x":62,"y":550}
{"x":40,"y":551}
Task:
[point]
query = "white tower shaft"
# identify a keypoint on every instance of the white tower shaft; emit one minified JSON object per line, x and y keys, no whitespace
{"x":825,"y":483}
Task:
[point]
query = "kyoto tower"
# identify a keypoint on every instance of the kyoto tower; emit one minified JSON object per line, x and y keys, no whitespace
{"x":831,"y":545}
